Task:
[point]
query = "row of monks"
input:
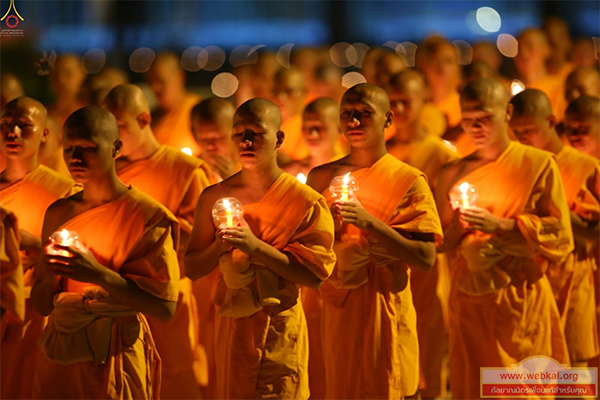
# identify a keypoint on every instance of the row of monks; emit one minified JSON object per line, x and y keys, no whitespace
{"x":307,"y":296}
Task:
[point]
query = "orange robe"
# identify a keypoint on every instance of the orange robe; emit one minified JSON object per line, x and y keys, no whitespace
{"x":554,"y":87}
{"x":95,"y":346}
{"x":174,"y":128}
{"x":293,"y":145}
{"x":28,"y":199}
{"x":502,"y":309}
{"x":429,"y":292}
{"x":175,"y":180}
{"x":262,"y":351}
{"x":12,"y":291}
{"x":573,"y":281}
{"x":432,"y":120}
{"x":370,"y":344}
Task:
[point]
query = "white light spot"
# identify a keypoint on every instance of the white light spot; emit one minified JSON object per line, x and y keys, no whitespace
{"x":283,"y":55}
{"x":516,"y":87}
{"x":339,"y":53}
{"x":216,"y":58}
{"x":241,"y":55}
{"x":141,"y":59}
{"x":93,"y":61}
{"x":224,"y":84}
{"x":187,"y":150}
{"x":361,"y":51}
{"x":301,"y":177}
{"x":193,"y":58}
{"x":488,"y":19}
{"x":507,"y":45}
{"x":464,"y":51}
{"x":352,"y":78}
{"x":411,"y":51}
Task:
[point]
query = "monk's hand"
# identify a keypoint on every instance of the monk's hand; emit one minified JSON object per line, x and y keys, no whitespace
{"x":480,"y":219}
{"x":30,"y":243}
{"x":223,"y":166}
{"x":78,"y":265}
{"x":220,"y":242}
{"x":242,"y":238}
{"x":337,"y":217}
{"x":352,"y":212}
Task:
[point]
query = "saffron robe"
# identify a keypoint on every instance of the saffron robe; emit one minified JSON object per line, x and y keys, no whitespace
{"x":12,"y":291}
{"x":175,"y":180}
{"x":96,"y":347}
{"x":262,"y":352}
{"x":554,"y":87}
{"x":502,"y":309}
{"x":28,"y":199}
{"x":369,"y":331}
{"x":573,"y":281}
{"x":293,"y":145}
{"x":450,"y":105}
{"x":174,"y":128}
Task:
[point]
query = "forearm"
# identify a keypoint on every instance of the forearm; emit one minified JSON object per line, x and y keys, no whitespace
{"x":42,"y":293}
{"x":453,"y":235}
{"x":126,"y":291}
{"x":583,"y":229}
{"x":416,"y":253}
{"x":285,"y":266}
{"x":200,"y":263}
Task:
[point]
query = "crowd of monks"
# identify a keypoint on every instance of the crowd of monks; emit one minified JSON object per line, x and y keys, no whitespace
{"x":394,"y":291}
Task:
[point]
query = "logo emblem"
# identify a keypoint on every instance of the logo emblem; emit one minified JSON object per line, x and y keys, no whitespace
{"x":11,"y":20}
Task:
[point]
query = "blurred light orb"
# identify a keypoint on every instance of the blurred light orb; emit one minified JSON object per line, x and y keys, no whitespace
{"x":516,"y":87}
{"x":465,"y":52}
{"x":361,"y":52}
{"x":141,"y":59}
{"x":352,"y":78}
{"x":93,"y":61}
{"x":241,"y":55}
{"x":507,"y":45}
{"x":340,"y":53}
{"x":284,"y":54}
{"x":187,"y":150}
{"x":411,"y":51}
{"x":488,"y":19}
{"x":216,"y":58}
{"x":193,"y":59}
{"x":224,"y":85}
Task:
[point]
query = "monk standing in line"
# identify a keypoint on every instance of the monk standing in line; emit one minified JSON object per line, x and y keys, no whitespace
{"x":287,"y":231}
{"x":97,"y":343}
{"x":582,"y":81}
{"x":370,"y":344}
{"x":171,"y":119}
{"x":573,"y":281}
{"x":27,"y":189}
{"x":12,"y":291}
{"x":176,"y":181}
{"x":582,"y":125}
{"x":66,"y":80}
{"x":498,"y":275}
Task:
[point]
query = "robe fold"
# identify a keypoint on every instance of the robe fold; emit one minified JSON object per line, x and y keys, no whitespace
{"x":28,"y":199}
{"x":174,"y":128}
{"x":429,"y":292}
{"x":265,"y":354}
{"x":370,"y":345}
{"x":175,"y":180}
{"x":12,"y":291}
{"x":502,"y":308}
{"x":96,"y":347}
{"x":573,"y":280}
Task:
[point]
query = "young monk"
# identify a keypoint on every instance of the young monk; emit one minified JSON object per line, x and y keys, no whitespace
{"x":12,"y":291}
{"x":321,"y":133}
{"x":370,"y":345}
{"x":97,"y":343}
{"x":413,"y":145}
{"x":582,"y":81}
{"x":27,"y":189}
{"x":582,"y":125}
{"x":211,"y":121}
{"x":573,"y":283}
{"x":51,"y":151}
{"x":287,"y":230}
{"x":171,"y":118}
{"x":289,"y":93}
{"x":176,"y":181}
{"x":497,"y":276}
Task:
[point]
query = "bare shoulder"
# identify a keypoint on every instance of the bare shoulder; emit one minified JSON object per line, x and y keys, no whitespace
{"x":320,"y":177}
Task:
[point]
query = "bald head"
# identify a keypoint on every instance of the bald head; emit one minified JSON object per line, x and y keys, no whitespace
{"x":167,"y":80}
{"x":488,"y":91}
{"x":166,"y":61}
{"x":582,"y":81}
{"x":10,"y":88}
{"x":289,"y":91}
{"x":92,"y":123}
{"x":325,"y":105}
{"x":27,"y":105}
{"x":388,"y":64}
{"x":585,"y":107}
{"x":261,"y":110}
{"x":407,"y":78}
{"x":214,"y":110}
{"x":373,"y":93}
{"x":487,"y":52}
{"x":127,"y":98}
{"x":67,"y":76}
{"x":531,"y":103}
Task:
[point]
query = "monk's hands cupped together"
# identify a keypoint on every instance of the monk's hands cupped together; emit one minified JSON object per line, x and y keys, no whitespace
{"x":354,"y":213}
{"x":78,"y":266}
{"x":480,"y":219}
{"x":241,"y":237}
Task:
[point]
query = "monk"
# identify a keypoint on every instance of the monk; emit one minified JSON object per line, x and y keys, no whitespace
{"x":414,"y":145}
{"x":97,"y":86}
{"x":97,"y":343}
{"x":51,"y":151}
{"x":502,"y":251}
{"x":530,"y":62}
{"x":582,"y":81}
{"x":171,"y":118}
{"x":573,"y":282}
{"x":175,"y":180}
{"x":26,"y":189}
{"x":12,"y":291}
{"x":559,"y":40}
{"x":264,"y":71}
{"x":289,"y":93}
{"x":582,"y":125}
{"x":370,"y":345}
{"x":211,"y":121}
{"x":321,"y":132}
{"x":387,"y":64}
{"x":10,"y":88}
{"x":287,"y":231}
{"x":66,"y":80}
{"x":584,"y":53}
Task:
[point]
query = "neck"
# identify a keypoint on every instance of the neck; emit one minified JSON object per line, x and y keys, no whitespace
{"x":17,"y":169}
{"x":103,"y":191}
{"x":532,"y":75}
{"x":262,"y":176}
{"x":321,"y":156}
{"x":493,"y":151}
{"x":365,"y":157}
{"x":554,"y":145}
{"x":149,"y":145}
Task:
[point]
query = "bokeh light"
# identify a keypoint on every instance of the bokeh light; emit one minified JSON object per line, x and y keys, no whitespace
{"x":242,"y":54}
{"x":141,"y":59}
{"x":193,"y":59}
{"x":361,"y":52}
{"x":352,"y":78}
{"x":187,"y":150}
{"x":464,"y":51}
{"x":224,"y":84}
{"x":516,"y":87}
{"x":488,"y":19}
{"x":93,"y":61}
{"x":216,"y":58}
{"x":284,"y":54}
{"x":411,"y":51}
{"x":507,"y":45}
{"x":343,"y":54}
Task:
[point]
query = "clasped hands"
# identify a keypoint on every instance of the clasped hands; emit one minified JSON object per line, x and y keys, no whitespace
{"x":480,"y":219}
{"x":78,"y":265}
{"x":351,"y":212}
{"x":240,"y":237}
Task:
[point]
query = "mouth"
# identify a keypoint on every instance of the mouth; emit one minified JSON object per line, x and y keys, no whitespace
{"x":354,"y":133}
{"x":247,"y":154}
{"x":13,"y":146}
{"x":76,"y":169}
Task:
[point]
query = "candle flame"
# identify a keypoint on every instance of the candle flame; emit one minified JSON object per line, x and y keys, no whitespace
{"x":187,"y":151}
{"x":301,"y":177}
{"x":346,"y":178}
{"x":64,"y":235}
{"x":464,"y":187}
{"x":226,"y":204}
{"x":517,"y":87}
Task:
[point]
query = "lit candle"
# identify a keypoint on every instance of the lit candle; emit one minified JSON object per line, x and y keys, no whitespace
{"x":64,"y":238}
{"x":463,"y":196}
{"x":464,"y":187}
{"x":228,"y":212}
{"x":516,"y":87}
{"x":344,"y":196}
{"x":301,"y":177}
{"x":187,"y":151}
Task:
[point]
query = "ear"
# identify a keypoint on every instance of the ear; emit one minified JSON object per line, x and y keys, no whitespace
{"x":144,"y":119}
{"x":551,"y":121}
{"x":509,"y":112}
{"x":280,"y":137}
{"x":117,"y":147}
{"x":45,"y":135}
{"x":389,"y":118}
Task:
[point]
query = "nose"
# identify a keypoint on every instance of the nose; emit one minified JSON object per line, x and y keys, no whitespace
{"x":14,"y":131}
{"x":247,"y":139}
{"x":354,"y":120}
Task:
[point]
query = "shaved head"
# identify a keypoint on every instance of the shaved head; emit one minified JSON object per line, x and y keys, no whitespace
{"x":167,"y":80}
{"x":27,"y":103}
{"x":10,"y":88}
{"x":261,"y":110}
{"x":323,"y":104}
{"x":30,"y":116}
{"x":585,"y":106}
{"x":93,"y":122}
{"x":376,"y":94}
{"x":215,"y":109}
{"x":129,"y":98}
{"x":531,"y":103}
{"x":488,"y":91}
{"x":407,"y":78}
{"x":289,"y":91}
{"x":582,"y":81}
{"x":166,"y":61}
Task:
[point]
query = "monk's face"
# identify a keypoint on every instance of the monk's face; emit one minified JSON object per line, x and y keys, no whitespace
{"x":88,"y":155}
{"x":167,"y":84}
{"x":289,"y":93}
{"x":212,"y":139}
{"x":22,"y":130}
{"x":443,"y":68}
{"x":363,"y":117}
{"x":255,"y":137}
{"x":533,"y":51}
{"x":531,"y":130}
{"x":581,"y":84}
{"x":67,"y":76}
{"x":320,"y":129}
{"x":583,"y":132}
{"x":483,"y":121}
{"x":407,"y":101}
